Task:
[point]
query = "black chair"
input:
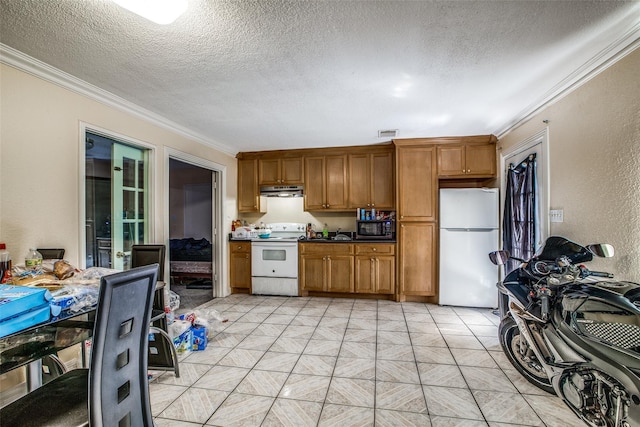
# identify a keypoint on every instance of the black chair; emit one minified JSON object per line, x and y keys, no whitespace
{"x":162,"y":352}
{"x":114,"y":391}
{"x":51,"y":253}
{"x":149,"y":254}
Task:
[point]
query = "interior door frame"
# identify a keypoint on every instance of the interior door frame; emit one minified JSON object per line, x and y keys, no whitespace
{"x":85,"y":127}
{"x":542,"y":164}
{"x":220,"y":256}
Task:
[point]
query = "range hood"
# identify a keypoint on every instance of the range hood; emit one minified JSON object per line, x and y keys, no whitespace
{"x":282,"y":191}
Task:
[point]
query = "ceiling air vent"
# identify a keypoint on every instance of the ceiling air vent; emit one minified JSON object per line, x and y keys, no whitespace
{"x":389,"y":133}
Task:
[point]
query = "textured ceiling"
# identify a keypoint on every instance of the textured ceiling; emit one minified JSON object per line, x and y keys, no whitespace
{"x":275,"y":74}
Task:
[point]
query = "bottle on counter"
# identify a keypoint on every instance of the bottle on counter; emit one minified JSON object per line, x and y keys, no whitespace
{"x":33,"y":259}
{"x":325,"y":231}
{"x":5,"y":262}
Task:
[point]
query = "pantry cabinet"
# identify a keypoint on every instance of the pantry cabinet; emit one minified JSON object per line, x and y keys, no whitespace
{"x":375,"y":268}
{"x":326,"y":267}
{"x":240,"y":268}
{"x":280,"y":171}
{"x":325,"y":179}
{"x":371,"y":183}
{"x":249,"y":199}
{"x":467,"y":161}
{"x":417,"y":259}
{"x":417,"y":183}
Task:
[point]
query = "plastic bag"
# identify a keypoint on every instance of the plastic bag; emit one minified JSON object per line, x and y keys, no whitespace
{"x":208,"y":318}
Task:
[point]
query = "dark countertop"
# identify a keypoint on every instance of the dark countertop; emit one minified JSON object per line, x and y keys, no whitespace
{"x":233,"y":239}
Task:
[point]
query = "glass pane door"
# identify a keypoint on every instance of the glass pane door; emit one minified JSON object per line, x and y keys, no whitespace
{"x":129,"y":204}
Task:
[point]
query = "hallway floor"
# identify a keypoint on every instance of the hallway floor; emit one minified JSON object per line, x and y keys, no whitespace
{"x":343,"y":362}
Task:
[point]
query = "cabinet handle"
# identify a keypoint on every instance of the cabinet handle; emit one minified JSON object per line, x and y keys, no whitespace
{"x":401,"y":216}
{"x":468,"y":170}
{"x":328,"y":205}
{"x":368,"y":205}
{"x":372,"y":259}
{"x":373,"y":205}
{"x":247,"y":257}
{"x":375,"y":249}
{"x":402,"y":226}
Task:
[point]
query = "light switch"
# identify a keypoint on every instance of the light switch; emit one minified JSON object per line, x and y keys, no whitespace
{"x":556,"y":215}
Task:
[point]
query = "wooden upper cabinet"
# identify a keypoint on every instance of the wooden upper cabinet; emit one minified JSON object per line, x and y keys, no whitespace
{"x":371,"y":182}
{"x":325,"y":180}
{"x":249,"y":199}
{"x":285,"y":171}
{"x":417,"y":183}
{"x":467,"y":161}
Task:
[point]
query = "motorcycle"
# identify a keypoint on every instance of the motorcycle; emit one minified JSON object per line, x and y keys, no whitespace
{"x":572,"y":334}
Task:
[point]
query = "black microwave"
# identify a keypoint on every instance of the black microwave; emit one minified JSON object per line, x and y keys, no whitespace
{"x":378,"y":229}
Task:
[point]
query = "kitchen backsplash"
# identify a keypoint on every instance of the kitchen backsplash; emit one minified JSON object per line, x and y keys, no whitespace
{"x":280,"y":209}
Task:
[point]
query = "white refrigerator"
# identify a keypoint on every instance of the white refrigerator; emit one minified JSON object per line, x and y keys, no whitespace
{"x":468,"y":232}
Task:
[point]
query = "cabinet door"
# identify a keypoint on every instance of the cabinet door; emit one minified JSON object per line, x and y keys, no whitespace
{"x":417,"y":184}
{"x":248,"y":191}
{"x":385,"y":274}
{"x":382,"y":182}
{"x":269,"y":172}
{"x":240,"y":272}
{"x":339,"y":273}
{"x":359,"y":182}
{"x":314,"y":187}
{"x":481,"y":160}
{"x":365,"y":273}
{"x":291,"y":171}
{"x":312,"y":272}
{"x":336,"y":182}
{"x":416,"y":261}
{"x":451,"y":161}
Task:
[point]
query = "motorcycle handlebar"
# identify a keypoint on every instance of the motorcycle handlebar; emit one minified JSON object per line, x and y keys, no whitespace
{"x":586,"y":272}
{"x":602,"y":274}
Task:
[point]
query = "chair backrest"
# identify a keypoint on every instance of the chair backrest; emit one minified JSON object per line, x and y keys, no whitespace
{"x":118,"y":384}
{"x":149,"y":254}
{"x":52,"y":253}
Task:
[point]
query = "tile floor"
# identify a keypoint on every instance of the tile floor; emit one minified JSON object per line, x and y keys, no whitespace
{"x":343,"y":362}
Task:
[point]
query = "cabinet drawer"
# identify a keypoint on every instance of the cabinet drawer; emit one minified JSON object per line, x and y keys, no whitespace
{"x":380,"y":249}
{"x":240,"y":247}
{"x":326,"y":248}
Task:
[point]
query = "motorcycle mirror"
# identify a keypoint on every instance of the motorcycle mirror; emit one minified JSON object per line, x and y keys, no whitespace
{"x":499,"y":257}
{"x":603,"y":250}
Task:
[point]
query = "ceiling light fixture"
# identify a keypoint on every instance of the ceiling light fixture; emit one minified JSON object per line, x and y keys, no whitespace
{"x":161,"y":12}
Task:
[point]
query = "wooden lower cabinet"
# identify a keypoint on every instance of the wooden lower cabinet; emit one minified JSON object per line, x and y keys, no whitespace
{"x":375,"y":266}
{"x":326,"y":267}
{"x":240,"y":267}
{"x":417,"y":259}
{"x":347,"y":268}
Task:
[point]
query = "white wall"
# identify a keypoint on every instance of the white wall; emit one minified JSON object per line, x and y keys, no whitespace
{"x":40,"y":177}
{"x":594,"y":138}
{"x":292,"y":210}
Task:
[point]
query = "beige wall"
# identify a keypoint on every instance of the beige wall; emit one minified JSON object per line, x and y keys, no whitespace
{"x":594,"y":138}
{"x":40,"y":174}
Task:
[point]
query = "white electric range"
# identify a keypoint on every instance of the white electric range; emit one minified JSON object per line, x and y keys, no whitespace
{"x":274,"y":260}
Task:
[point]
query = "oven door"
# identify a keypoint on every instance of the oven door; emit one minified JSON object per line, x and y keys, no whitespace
{"x":274,"y":259}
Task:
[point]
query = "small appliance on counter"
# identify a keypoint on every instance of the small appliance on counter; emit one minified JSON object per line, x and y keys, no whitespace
{"x":372,"y":225}
{"x":375,"y":230}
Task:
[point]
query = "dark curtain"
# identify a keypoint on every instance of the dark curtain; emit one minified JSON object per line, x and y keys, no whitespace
{"x":519,"y":223}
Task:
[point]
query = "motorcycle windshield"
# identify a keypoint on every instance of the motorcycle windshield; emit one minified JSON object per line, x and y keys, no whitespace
{"x":556,"y":247}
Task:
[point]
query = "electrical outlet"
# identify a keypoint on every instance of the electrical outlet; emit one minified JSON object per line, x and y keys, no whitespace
{"x":556,"y":215}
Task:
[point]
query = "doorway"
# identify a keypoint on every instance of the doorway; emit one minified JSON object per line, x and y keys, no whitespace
{"x":537,"y":147}
{"x":192,"y":242}
{"x":116,"y":200}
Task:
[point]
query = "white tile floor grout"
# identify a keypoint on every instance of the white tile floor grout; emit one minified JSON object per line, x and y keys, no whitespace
{"x":348,"y":362}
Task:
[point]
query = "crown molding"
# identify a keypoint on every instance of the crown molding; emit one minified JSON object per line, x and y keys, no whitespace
{"x":16,"y":59}
{"x":621,"y":47}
